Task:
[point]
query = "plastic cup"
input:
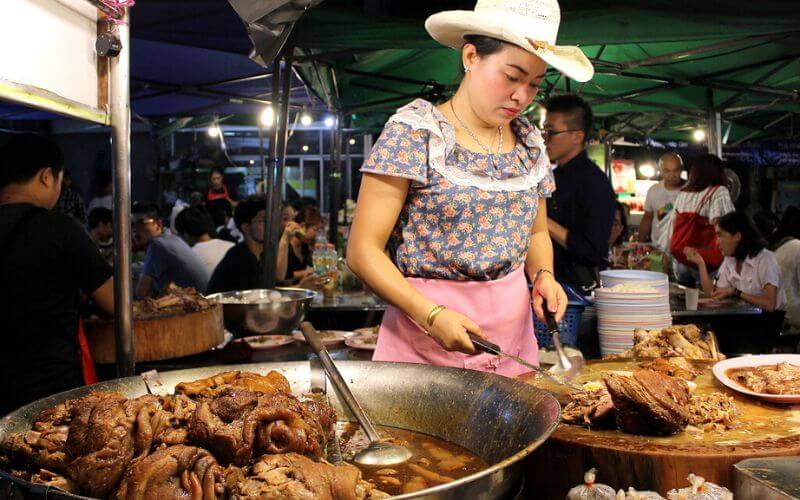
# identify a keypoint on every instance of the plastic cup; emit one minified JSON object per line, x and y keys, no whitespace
{"x":692,"y":298}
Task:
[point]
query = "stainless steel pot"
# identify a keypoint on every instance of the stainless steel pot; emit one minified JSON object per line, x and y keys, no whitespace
{"x":499,"y":419}
{"x":248,"y":312}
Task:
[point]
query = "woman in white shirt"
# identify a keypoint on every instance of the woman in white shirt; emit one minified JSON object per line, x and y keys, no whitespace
{"x":787,"y":251}
{"x":749,"y":270}
{"x":707,"y":173}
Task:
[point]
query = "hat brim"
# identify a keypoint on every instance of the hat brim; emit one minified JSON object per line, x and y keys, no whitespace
{"x":449,"y":28}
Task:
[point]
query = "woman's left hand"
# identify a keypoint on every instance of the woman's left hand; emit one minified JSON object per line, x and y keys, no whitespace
{"x":547,"y":289}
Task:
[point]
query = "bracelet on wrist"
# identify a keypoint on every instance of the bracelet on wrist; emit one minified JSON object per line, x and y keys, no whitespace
{"x":432,"y":317}
{"x":540,"y":272}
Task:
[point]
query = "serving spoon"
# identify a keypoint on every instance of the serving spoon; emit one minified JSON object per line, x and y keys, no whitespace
{"x":379,"y":452}
{"x":566,"y":367}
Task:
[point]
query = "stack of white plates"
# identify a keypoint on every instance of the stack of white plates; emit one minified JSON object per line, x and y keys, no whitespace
{"x":624,"y":305}
{"x":612,"y":278}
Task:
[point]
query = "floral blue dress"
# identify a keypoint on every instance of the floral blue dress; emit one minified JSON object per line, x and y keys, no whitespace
{"x":468,"y":216}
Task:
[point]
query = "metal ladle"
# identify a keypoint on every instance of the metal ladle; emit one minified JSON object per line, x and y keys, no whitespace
{"x":566,"y":367}
{"x":378,"y":453}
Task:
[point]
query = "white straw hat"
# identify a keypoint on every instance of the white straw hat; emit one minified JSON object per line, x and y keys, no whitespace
{"x":529,"y":24}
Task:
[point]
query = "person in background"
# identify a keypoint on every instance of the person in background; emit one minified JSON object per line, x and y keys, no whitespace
{"x":217,"y":189}
{"x":656,"y":224}
{"x":222,"y":213}
{"x":196,"y":227}
{"x":70,"y":201}
{"x":619,"y":228}
{"x":102,"y":196}
{"x":295,"y":245}
{"x":240,"y":268}
{"x":787,"y":252}
{"x":767,"y":224}
{"x":168,"y":259}
{"x":288,"y":214}
{"x":749,"y":271}
{"x":581,"y":210}
{"x":101,"y":230}
{"x":47,"y":260}
{"x":706,"y":182}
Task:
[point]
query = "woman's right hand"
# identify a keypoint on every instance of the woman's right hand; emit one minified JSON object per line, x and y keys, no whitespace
{"x":450,"y":331}
{"x":692,"y":255}
{"x":290,"y":229}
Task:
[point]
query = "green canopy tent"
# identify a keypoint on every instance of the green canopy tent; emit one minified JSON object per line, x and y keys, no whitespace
{"x":662,"y":68}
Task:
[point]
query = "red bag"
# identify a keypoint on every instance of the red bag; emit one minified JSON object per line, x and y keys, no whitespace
{"x":87,"y":363}
{"x":694,"y":230}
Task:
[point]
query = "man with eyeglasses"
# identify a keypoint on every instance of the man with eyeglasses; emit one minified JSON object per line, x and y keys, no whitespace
{"x":581,"y":210}
{"x":168,"y":258}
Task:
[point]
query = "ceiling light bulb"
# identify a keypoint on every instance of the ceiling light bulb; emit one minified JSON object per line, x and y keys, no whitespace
{"x":647,"y":170}
{"x":305,"y":119}
{"x":329,"y":121}
{"x":352,"y":142}
{"x":214,"y":131}
{"x":699,"y":135}
{"x":305,"y":148}
{"x":267,"y":117}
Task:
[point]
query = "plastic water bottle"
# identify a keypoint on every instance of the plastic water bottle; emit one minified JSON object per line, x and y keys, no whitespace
{"x":318,"y":259}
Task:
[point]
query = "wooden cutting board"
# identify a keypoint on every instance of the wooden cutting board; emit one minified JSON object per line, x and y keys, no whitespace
{"x":659,"y":463}
{"x":165,"y":337}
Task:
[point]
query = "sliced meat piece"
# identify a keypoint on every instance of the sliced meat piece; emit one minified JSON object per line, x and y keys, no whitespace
{"x":211,"y":387}
{"x":590,"y":408}
{"x":101,"y":442}
{"x":173,"y":473}
{"x":294,"y":477}
{"x":649,"y":403}
{"x":713,"y":411}
{"x":239,"y":425}
{"x":674,"y":367}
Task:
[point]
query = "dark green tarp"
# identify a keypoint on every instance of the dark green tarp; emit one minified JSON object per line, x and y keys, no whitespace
{"x":369,"y":66}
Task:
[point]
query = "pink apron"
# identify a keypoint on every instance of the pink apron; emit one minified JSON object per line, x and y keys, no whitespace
{"x":501,"y":308}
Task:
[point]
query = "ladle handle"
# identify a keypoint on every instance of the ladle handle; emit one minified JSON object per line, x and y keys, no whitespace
{"x":339,"y":385}
{"x":552,"y":327}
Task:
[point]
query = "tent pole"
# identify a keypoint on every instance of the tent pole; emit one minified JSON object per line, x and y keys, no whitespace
{"x":268,"y":253}
{"x":713,"y":126}
{"x":336,"y":178}
{"x":119,"y":104}
{"x":280,"y":158}
{"x":281,"y":93}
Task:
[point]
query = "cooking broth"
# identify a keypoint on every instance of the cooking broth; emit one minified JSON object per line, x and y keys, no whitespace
{"x":435,"y":461}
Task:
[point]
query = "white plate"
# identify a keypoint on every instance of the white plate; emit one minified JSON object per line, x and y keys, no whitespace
{"x":370,"y":330}
{"x":260,"y":342}
{"x":329,"y":337}
{"x":365,"y":342}
{"x":721,"y":372}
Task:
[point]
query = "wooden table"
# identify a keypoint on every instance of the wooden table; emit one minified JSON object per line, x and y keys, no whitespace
{"x":659,"y":463}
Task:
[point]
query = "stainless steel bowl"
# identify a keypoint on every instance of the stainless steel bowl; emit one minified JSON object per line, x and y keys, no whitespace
{"x":248,"y":312}
{"x":499,"y":419}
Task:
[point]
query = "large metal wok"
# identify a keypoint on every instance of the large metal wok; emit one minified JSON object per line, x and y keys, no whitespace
{"x":500,"y":419}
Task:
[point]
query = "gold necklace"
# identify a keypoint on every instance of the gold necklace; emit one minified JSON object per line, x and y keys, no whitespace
{"x":475,"y":137}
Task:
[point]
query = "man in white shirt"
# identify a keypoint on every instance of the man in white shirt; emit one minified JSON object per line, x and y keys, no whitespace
{"x":660,"y":202}
{"x":195,"y":226}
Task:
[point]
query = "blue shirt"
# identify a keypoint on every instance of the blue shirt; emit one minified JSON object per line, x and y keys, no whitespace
{"x":170,"y":259}
{"x":468,"y":216}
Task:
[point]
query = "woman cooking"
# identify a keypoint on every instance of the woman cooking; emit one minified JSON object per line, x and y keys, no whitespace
{"x":456,"y":190}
